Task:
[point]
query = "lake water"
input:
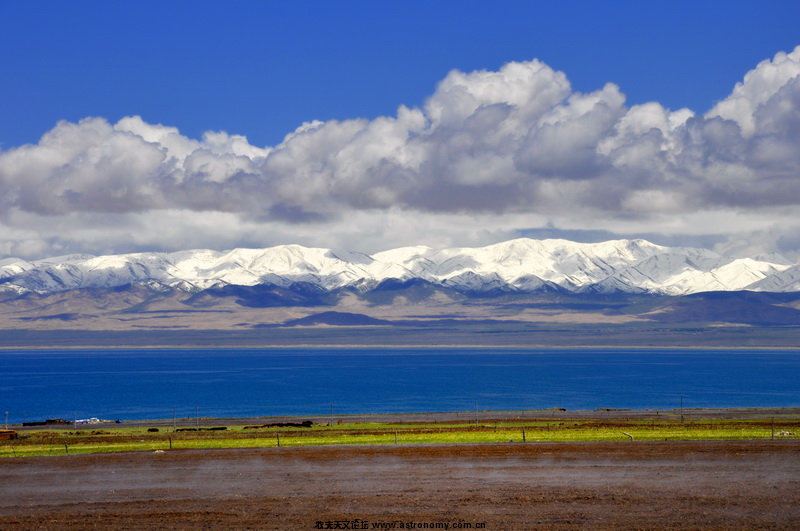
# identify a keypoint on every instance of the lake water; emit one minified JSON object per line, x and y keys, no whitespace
{"x":157,"y":383}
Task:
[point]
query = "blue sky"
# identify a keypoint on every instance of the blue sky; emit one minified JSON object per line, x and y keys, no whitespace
{"x":262,"y":68}
{"x":135,"y":126}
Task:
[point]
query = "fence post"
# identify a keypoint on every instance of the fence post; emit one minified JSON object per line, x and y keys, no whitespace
{"x":523,"y":434}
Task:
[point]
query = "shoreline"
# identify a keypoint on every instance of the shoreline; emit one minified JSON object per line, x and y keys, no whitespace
{"x":434,"y":417}
{"x":334,"y":346}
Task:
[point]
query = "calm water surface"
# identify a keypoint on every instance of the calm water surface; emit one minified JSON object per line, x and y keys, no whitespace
{"x":155,"y":383}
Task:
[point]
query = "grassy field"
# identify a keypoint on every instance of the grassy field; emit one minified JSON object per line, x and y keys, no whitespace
{"x":110,"y":438}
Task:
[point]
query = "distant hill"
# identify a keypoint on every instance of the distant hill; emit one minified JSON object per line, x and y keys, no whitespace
{"x":542,"y":286}
{"x":337,"y":319}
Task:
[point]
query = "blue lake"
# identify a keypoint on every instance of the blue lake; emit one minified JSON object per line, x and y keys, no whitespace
{"x":157,"y":383}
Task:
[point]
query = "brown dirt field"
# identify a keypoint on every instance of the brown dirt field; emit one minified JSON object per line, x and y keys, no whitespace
{"x":633,"y":485}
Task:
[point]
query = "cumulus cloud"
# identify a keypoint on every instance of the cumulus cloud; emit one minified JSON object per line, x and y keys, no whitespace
{"x":518,"y":144}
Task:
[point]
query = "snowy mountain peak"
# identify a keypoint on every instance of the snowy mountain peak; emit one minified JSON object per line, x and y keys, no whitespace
{"x":517,"y":265}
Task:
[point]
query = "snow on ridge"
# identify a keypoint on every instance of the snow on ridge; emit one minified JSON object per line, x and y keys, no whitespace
{"x":516,"y":265}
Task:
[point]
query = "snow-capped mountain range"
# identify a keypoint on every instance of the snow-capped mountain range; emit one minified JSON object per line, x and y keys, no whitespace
{"x":524,"y":265}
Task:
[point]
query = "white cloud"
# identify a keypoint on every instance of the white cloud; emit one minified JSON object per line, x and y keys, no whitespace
{"x":759,"y":86}
{"x":512,"y":148}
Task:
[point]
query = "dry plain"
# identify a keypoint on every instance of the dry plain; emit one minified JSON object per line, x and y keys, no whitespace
{"x":630,"y":485}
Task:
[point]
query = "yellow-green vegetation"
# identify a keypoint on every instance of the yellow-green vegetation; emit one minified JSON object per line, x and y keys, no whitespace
{"x":117,"y":439}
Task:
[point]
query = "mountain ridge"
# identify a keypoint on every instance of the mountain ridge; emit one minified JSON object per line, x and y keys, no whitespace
{"x":519,"y":265}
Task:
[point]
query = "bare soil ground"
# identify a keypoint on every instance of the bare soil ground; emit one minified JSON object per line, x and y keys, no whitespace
{"x":632,"y":485}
